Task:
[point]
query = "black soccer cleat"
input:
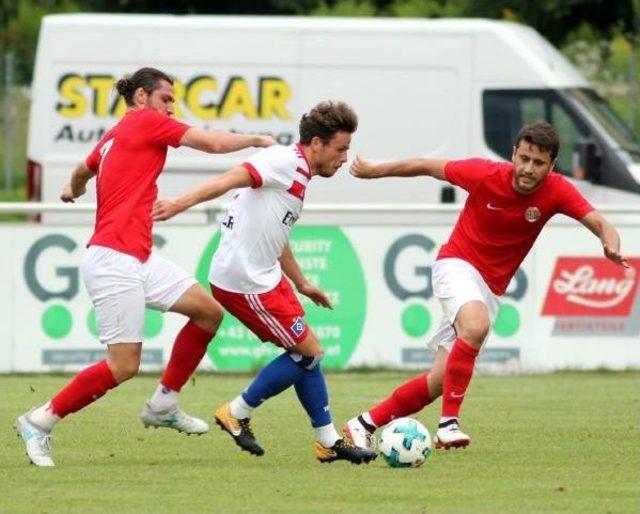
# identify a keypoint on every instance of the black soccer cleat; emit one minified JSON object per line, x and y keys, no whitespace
{"x":239,"y":429}
{"x":342,"y":450}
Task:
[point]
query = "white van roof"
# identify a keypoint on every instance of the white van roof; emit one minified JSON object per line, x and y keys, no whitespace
{"x":496,"y":41}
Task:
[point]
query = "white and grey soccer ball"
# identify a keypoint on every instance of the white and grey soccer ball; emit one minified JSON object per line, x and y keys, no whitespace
{"x":405,"y":443}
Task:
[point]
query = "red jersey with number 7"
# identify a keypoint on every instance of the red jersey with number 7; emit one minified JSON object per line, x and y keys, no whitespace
{"x":498,"y":225}
{"x":128,"y":160}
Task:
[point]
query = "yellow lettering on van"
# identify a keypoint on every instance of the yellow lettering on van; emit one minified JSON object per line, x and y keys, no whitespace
{"x":69,"y":88}
{"x":237,"y":100}
{"x":195,"y":88}
{"x":275,"y":93}
{"x":178,"y":96}
{"x":102,"y":86}
{"x":118,"y":107}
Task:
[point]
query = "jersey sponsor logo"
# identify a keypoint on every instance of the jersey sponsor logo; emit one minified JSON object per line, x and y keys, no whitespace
{"x":532,"y":214}
{"x":228,"y":222}
{"x":492,"y":207}
{"x":592,"y":296}
{"x":289,"y":219}
{"x":298,"y":326}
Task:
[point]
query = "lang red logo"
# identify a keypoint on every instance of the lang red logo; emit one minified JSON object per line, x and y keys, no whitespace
{"x":591,"y":296}
{"x":582,"y":286}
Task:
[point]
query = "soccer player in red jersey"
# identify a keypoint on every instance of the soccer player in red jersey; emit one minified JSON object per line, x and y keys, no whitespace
{"x":123,"y":275}
{"x":507,"y":206}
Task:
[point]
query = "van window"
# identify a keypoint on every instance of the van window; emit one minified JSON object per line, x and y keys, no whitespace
{"x":506,"y":111}
{"x":612,"y":123}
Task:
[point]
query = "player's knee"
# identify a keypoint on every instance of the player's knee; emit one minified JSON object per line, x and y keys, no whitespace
{"x":209,"y":316}
{"x":475,"y":331}
{"x":124,"y":370}
{"x":308,"y":362}
{"x":216,"y":314}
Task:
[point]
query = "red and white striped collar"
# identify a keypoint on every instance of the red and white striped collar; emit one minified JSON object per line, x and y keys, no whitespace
{"x":301,"y":154}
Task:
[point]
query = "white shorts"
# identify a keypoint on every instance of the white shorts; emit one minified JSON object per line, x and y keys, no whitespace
{"x":456,"y":282}
{"x":121,"y":287}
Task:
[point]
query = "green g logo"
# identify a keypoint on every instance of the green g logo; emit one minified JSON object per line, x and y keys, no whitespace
{"x":326,"y":257}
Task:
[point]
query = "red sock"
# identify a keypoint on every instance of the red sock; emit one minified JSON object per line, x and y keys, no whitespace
{"x":86,"y":387}
{"x":457,"y":375}
{"x":188,"y":350}
{"x":408,"y":398}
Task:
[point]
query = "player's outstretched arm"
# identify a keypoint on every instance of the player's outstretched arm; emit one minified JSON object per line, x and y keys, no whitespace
{"x":608,"y":235}
{"x":77,"y":185}
{"x":222,"y":142}
{"x":414,"y":167}
{"x":292,"y":270}
{"x":217,"y":186}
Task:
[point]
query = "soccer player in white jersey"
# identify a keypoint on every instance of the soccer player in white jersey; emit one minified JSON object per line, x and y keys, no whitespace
{"x":247,"y":272}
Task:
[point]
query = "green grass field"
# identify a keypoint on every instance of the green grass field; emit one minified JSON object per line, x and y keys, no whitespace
{"x":559,"y":443}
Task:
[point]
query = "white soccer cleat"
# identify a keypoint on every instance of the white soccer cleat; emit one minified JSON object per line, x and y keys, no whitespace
{"x":358,"y":435}
{"x":174,"y":418}
{"x":451,"y":436}
{"x":36,"y":441}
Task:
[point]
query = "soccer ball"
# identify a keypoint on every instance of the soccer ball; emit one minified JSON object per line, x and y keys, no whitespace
{"x":405,"y":443}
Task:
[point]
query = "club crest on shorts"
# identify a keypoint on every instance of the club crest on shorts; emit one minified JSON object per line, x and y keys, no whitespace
{"x":532,"y":214}
{"x":298,"y":326}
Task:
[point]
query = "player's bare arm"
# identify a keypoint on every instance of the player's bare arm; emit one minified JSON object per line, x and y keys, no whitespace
{"x":292,"y":270}
{"x":223,"y":142}
{"x":234,"y":178}
{"x":608,"y":236}
{"x":415,"y":167}
{"x":77,"y":185}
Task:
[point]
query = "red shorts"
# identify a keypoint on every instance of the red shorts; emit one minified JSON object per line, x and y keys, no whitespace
{"x":275,"y":316}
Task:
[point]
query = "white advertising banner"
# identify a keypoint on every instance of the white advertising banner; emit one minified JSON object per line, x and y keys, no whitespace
{"x":567,"y":306}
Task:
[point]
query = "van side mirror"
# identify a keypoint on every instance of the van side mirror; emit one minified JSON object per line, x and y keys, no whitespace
{"x":586,"y":161}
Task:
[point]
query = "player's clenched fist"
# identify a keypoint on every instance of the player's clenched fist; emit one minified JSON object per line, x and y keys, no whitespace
{"x":362,"y":168}
{"x":68,"y":195}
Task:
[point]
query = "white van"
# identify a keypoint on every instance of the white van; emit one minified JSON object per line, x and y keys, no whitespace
{"x":452,"y":88}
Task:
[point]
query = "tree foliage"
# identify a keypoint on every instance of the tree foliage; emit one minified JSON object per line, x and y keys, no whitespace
{"x":601,"y":36}
{"x":19,"y":30}
{"x":555,"y":19}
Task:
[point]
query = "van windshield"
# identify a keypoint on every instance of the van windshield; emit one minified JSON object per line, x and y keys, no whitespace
{"x":505,"y":111}
{"x":615,"y":127}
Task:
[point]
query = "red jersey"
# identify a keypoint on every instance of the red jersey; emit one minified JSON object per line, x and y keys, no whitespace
{"x":498,"y":225}
{"x":128,"y":160}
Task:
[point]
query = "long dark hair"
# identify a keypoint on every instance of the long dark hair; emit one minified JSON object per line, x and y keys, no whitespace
{"x":147,"y":78}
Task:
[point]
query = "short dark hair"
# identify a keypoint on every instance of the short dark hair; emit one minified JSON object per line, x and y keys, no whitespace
{"x":147,"y":78}
{"x":325,"y":120}
{"x":542,"y":135}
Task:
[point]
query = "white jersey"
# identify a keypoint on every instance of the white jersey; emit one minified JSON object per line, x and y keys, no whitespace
{"x":256,"y":228}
